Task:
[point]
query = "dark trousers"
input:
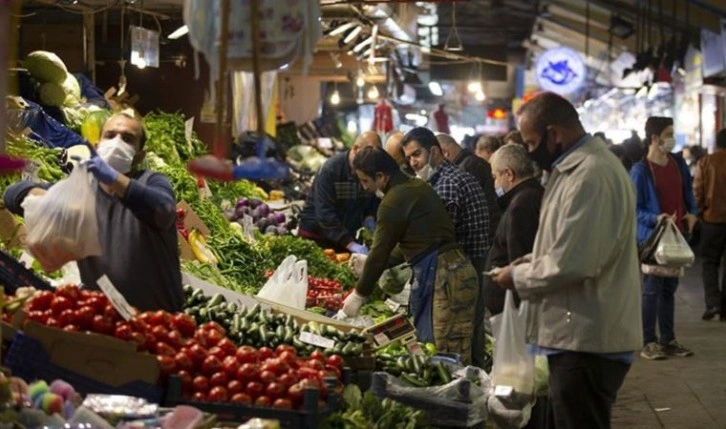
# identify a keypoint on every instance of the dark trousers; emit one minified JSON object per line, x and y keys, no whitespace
{"x":478,"y":339}
{"x":582,"y":390}
{"x":659,"y":304}
{"x":713,"y":246}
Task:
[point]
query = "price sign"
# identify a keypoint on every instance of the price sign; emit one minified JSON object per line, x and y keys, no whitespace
{"x":396,"y":328}
{"x":114,"y":296}
{"x":316,"y":340}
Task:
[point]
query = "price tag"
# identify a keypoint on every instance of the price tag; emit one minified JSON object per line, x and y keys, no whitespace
{"x":381,"y":339}
{"x":117,"y":300}
{"x":188,"y":128}
{"x":30,"y":172}
{"x":503,"y":391}
{"x":393,"y":305}
{"x":316,"y":340}
{"x":414,"y":348}
{"x":248,"y":228}
{"x":27,"y":260}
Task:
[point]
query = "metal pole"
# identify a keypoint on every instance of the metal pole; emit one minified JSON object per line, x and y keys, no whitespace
{"x":255,"y":8}
{"x":221,"y":143}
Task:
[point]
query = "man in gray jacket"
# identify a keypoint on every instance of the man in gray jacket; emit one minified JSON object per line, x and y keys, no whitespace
{"x":582,"y":279}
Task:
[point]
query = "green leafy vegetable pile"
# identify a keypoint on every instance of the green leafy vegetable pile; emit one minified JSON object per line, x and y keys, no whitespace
{"x":366,"y":411}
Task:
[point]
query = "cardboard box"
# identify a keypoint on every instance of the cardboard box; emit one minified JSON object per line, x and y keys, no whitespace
{"x":303,"y":316}
{"x":99,"y":357}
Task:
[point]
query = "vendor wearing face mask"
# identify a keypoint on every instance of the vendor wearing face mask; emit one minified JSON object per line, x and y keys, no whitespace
{"x":136,"y":219}
{"x":413,"y":220}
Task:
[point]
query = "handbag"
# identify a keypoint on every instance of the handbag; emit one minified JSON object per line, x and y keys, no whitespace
{"x":646,"y":250}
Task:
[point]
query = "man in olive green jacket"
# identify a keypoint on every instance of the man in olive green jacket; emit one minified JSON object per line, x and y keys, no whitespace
{"x":582,"y":280}
{"x":413,"y":224}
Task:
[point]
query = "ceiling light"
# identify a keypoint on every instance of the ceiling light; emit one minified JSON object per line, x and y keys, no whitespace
{"x":360,"y":81}
{"x":179,"y":32}
{"x":373,"y":93}
{"x":474,"y":86}
{"x":335,"y":98}
{"x":480,"y":96}
{"x":352,"y":35}
{"x":342,"y":28}
{"x":435,"y":88}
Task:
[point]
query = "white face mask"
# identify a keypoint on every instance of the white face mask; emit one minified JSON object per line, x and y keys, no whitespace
{"x":380,"y":194}
{"x":500,"y":191}
{"x":426,"y":171}
{"x":668,"y":144}
{"x":117,"y":153}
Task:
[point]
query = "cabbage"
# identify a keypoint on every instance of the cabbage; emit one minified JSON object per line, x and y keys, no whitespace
{"x":46,"y":67}
{"x":52,"y":94}
{"x":72,"y":90}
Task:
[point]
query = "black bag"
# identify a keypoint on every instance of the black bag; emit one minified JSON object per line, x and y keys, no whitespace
{"x":646,"y":251}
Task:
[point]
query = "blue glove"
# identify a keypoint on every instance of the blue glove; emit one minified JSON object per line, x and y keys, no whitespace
{"x":357,"y":248}
{"x":369,"y":223}
{"x":101,"y":170}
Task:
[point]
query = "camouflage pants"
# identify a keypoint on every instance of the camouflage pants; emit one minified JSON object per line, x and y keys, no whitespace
{"x":455,"y":294}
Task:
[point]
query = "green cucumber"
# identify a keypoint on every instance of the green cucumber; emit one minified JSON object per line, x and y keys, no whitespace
{"x":413,"y":380}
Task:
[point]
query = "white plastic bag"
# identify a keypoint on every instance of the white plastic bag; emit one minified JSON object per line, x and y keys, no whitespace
{"x":513,"y":366}
{"x":288,"y":284}
{"x":62,"y":224}
{"x":673,"y":250}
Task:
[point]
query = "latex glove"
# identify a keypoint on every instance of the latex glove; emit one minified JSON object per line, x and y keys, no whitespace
{"x":353,"y":303}
{"x":369,"y":223}
{"x":354,"y":247}
{"x":101,"y":170}
{"x":356,"y":264}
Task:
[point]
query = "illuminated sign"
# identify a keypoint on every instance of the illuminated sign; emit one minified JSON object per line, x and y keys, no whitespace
{"x":560,"y":70}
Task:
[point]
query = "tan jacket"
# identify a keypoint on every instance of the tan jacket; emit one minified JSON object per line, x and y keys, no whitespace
{"x":709,"y":187}
{"x":583,"y":280}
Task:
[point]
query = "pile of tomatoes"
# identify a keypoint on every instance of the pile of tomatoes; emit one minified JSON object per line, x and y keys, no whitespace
{"x":211,"y":367}
{"x":322,"y":292}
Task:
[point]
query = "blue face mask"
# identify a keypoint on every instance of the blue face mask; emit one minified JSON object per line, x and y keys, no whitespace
{"x":500,"y":191}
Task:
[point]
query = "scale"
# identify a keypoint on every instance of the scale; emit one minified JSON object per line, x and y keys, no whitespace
{"x":397,"y":328}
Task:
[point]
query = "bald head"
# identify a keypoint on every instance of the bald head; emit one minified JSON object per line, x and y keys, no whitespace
{"x":395,"y":148}
{"x":449,"y":147}
{"x":368,"y":138}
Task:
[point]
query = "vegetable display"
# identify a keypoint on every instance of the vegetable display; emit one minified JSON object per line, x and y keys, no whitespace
{"x":260,"y":214}
{"x":366,"y":411}
{"x":416,"y":370}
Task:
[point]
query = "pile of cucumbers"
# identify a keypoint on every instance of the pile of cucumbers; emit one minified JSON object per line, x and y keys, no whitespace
{"x":416,"y":370}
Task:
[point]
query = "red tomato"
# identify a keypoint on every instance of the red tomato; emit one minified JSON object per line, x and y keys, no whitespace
{"x":183,"y":362}
{"x":218,"y":379}
{"x":52,"y":322}
{"x":110,"y":312}
{"x":197,"y":354}
{"x":263,"y":401}
{"x":234,"y":386}
{"x":200,"y":383}
{"x":38,"y":316}
{"x":71,"y":292}
{"x":285,"y":348}
{"x":274,"y":390}
{"x":285,"y":404}
{"x":66,"y":317}
{"x":97,"y":303}
{"x":267,"y":376}
{"x":265,"y":353}
{"x":246,"y":354}
{"x":254,"y":389}
{"x":102,"y":325}
{"x":184,"y":323}
{"x":160,"y":317}
{"x":315,"y":364}
{"x":186,"y":381}
{"x":230,"y":365}
{"x":317,"y":355}
{"x":59,"y":304}
{"x":71,"y":328}
{"x":227,"y":346}
{"x":123,"y":332}
{"x":217,"y":352}
{"x":288,"y":358}
{"x":335,"y":360}
{"x":199,"y":397}
{"x":218,"y":394}
{"x":214,"y":326}
{"x":41,"y":301}
{"x":174,"y":338}
{"x":286,"y":380}
{"x":247,"y":372}
{"x":84,"y":316}
{"x":210,"y":365}
{"x":166,"y":363}
{"x":164,"y":349}
{"x":241,"y":398}
{"x":160,"y":332}
{"x":149,"y":342}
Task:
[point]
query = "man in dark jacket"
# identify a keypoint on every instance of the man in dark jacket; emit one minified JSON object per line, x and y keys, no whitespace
{"x":337,"y":205}
{"x":477,"y":167}
{"x":521,"y":199}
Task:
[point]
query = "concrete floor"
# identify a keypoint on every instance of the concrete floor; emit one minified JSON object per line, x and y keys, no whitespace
{"x":680,"y":393}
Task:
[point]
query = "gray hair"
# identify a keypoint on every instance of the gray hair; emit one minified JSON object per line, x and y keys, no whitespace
{"x":488,"y":143}
{"x":513,"y":157}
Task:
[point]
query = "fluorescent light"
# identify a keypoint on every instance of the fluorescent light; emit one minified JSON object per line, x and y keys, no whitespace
{"x":284,"y":66}
{"x":480,"y":96}
{"x":373,"y":93}
{"x":342,"y":28}
{"x":474,"y":86}
{"x":359,"y":47}
{"x":335,"y":98}
{"x":179,"y":32}
{"x":435,"y":88}
{"x":353,"y":34}
{"x":360,"y":81}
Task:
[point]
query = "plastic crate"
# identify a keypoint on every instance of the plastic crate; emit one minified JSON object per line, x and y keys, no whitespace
{"x":14,"y":275}
{"x":27,"y":359}
{"x":307,"y":417}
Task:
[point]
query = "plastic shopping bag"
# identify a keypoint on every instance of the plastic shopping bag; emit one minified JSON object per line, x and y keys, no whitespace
{"x":288,"y":284}
{"x":513,"y":366}
{"x":673,"y":250}
{"x":62,"y":224}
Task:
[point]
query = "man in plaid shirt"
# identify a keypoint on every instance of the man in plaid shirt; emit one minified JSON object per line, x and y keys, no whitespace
{"x":466,"y":204}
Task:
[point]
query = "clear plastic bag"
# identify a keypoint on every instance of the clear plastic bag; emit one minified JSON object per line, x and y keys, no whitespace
{"x":288,"y":284}
{"x":62,"y":224}
{"x":513,"y":366}
{"x":673,"y":250}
